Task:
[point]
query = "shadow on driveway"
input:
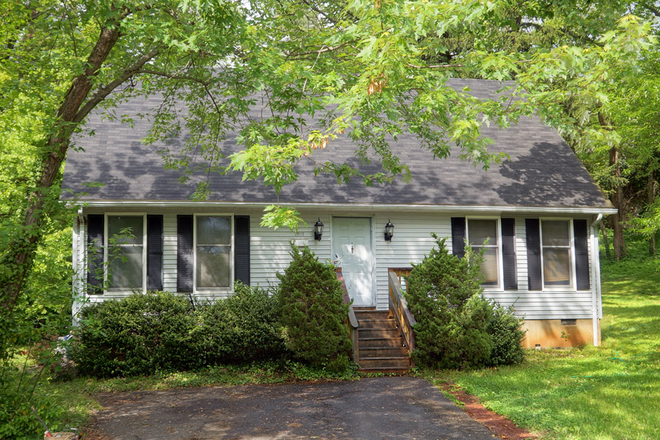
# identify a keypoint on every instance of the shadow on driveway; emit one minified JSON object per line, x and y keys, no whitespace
{"x":379,"y":408}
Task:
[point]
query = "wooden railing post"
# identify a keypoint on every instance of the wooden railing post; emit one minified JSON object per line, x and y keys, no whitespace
{"x":351,"y":319}
{"x":399,"y":310}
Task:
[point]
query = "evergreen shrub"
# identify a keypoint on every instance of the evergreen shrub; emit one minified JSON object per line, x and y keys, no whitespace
{"x":507,"y":333}
{"x":456,"y":326}
{"x":313,"y":313}
{"x":140,"y":334}
{"x":241,"y":328}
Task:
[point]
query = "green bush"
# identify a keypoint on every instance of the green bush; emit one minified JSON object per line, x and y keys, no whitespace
{"x":241,"y":328}
{"x":505,"y":329}
{"x":312,"y":312}
{"x":456,"y":326}
{"x":140,"y":334}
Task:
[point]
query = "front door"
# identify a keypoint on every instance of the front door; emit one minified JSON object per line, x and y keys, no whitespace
{"x":351,"y":242}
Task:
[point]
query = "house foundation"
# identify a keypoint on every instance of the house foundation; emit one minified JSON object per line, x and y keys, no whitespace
{"x":562,"y":333}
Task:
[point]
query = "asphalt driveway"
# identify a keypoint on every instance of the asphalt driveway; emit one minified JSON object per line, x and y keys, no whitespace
{"x":379,"y":408}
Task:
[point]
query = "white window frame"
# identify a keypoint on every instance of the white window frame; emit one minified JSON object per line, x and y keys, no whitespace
{"x":500,"y":257}
{"x":106,"y":248}
{"x":571,"y":255}
{"x":230,"y":288}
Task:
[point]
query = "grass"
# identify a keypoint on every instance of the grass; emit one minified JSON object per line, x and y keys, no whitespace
{"x":594,"y":393}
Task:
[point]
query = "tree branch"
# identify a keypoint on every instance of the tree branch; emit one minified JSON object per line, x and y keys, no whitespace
{"x":655,"y":11}
{"x":318,"y":52}
{"x":103,"y":92}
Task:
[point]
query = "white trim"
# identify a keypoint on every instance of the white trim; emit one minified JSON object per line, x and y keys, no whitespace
{"x":358,"y":207}
{"x":106,"y":247}
{"x":597,"y":312}
{"x":500,"y":257}
{"x":214,"y":290}
{"x":571,"y":253}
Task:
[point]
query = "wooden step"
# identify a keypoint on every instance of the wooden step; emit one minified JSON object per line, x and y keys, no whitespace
{"x":384,"y":363}
{"x":370,"y":333}
{"x":371,"y":314}
{"x":383,"y":352}
{"x":381,"y":342}
{"x":377,"y":323}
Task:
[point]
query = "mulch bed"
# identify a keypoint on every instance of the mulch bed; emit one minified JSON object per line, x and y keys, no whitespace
{"x":499,"y":425}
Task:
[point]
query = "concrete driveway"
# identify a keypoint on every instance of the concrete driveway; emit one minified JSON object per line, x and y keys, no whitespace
{"x":379,"y":408}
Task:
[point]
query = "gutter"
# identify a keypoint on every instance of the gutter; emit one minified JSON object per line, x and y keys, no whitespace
{"x":142,"y":204}
{"x":595,"y":277}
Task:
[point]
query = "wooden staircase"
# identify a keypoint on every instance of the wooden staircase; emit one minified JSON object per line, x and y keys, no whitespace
{"x":381,"y":345}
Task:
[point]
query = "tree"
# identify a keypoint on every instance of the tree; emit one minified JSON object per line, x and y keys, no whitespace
{"x":364,"y":68}
{"x":59,"y":61}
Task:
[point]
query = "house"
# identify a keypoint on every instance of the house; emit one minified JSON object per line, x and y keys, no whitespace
{"x":540,"y":209}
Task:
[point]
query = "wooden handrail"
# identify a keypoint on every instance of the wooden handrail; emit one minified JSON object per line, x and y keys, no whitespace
{"x":400,"y":311}
{"x":351,"y":319}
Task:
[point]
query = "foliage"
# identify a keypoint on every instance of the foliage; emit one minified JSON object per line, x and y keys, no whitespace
{"x":313,"y":313}
{"x":456,"y":326}
{"x":606,"y":392}
{"x":241,"y":328}
{"x":506,"y":330}
{"x":140,"y":334}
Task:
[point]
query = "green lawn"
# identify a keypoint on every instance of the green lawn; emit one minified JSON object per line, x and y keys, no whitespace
{"x":608,"y":392}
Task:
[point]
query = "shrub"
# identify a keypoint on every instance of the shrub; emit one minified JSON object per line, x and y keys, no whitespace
{"x":312,"y":312}
{"x":456,"y":326}
{"x":505,"y":329}
{"x":140,"y":334}
{"x":241,"y":328}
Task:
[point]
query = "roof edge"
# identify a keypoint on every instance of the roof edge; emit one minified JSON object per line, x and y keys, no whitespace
{"x":355,"y":207}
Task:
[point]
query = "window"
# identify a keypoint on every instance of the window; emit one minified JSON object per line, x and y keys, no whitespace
{"x":482,"y":234}
{"x":556,"y":253}
{"x":213,"y":252}
{"x":125,"y":256}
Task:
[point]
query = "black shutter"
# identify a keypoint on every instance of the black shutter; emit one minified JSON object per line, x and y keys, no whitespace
{"x":458,"y":236}
{"x":95,"y":230}
{"x":533,"y":253}
{"x":509,"y":254}
{"x":242,"y":249}
{"x":154,"y":252}
{"x":581,"y":254}
{"x":184,"y":254}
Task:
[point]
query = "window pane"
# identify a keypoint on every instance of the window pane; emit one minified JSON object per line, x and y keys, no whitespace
{"x":480,"y":230}
{"x":556,"y":270}
{"x":555,"y":233}
{"x":213,"y":266}
{"x":213,"y":230}
{"x":125,"y":268}
{"x":489,"y":269}
{"x":134,"y":224}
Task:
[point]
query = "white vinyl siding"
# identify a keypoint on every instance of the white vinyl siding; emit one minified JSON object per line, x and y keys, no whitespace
{"x":270,"y":248}
{"x":169,"y":252}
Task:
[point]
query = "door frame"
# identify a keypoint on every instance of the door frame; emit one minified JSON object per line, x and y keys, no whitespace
{"x":372,"y":238}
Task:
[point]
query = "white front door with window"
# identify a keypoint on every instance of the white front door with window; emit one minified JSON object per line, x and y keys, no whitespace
{"x":351,"y":242}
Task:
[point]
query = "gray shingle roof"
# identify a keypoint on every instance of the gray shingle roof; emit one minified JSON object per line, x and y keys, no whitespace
{"x":542,"y":171}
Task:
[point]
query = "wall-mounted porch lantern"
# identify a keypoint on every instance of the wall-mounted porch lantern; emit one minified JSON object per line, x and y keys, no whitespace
{"x":318,"y":229}
{"x":389,"y":231}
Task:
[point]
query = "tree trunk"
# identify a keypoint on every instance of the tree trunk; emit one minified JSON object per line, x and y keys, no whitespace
{"x":616,"y":198}
{"x":650,"y":198}
{"x":606,"y":240}
{"x":18,"y":260}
